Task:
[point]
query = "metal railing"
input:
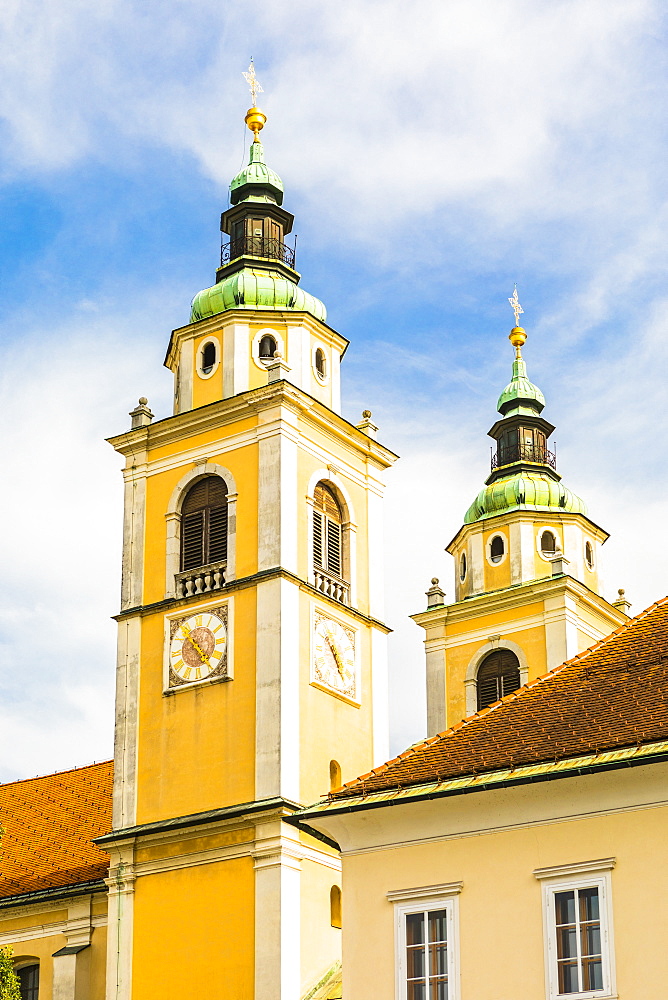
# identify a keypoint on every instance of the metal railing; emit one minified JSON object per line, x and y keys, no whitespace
{"x":332,"y":587}
{"x":202,"y":580}
{"x":524,"y":453}
{"x":257,"y":246}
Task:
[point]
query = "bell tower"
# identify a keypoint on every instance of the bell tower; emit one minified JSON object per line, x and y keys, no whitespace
{"x":251,"y":658}
{"x":527,"y":593}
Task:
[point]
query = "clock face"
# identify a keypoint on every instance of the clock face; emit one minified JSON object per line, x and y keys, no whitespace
{"x":197,"y":648}
{"x":334,"y":656}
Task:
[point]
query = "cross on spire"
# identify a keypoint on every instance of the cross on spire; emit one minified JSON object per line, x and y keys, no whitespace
{"x":253,"y":83}
{"x":515,"y":306}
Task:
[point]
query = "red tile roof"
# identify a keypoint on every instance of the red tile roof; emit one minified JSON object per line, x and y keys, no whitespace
{"x":614,"y":694}
{"x":48,"y":825}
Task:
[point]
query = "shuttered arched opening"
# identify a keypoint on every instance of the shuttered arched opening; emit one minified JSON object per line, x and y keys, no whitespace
{"x":327,"y":535}
{"x":204,"y":524}
{"x":499,"y":675}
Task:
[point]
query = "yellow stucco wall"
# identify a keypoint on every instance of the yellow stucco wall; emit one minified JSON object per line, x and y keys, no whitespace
{"x":500,"y":906}
{"x":194,"y":932}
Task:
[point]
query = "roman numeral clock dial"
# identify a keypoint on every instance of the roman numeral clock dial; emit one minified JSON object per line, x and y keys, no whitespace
{"x":198,"y":647}
{"x":334,"y":657}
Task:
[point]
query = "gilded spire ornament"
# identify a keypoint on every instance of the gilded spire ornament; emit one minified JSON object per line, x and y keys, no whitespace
{"x":255,"y":118}
{"x":517,"y":334}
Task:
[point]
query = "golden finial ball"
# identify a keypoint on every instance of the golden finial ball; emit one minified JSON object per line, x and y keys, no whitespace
{"x":255,"y":120}
{"x":517,"y":336}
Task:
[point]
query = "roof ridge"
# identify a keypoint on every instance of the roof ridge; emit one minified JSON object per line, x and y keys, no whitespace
{"x":53,"y":774}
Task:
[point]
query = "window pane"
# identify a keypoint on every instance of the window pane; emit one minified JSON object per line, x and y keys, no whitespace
{"x":568,"y":977}
{"x":416,"y":991}
{"x":415,"y":928}
{"x":565,"y":906}
{"x":416,"y":962}
{"x":589,"y":904}
{"x":438,"y":990}
{"x":592,"y":974}
{"x":590,"y":940}
{"x":566,"y":942}
{"x":438,"y":960}
{"x":437,"y":926}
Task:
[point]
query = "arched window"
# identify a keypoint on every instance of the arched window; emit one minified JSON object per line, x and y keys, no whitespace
{"x":462,"y":567}
{"x":499,"y":675}
{"x":497,"y":549}
{"x":204,"y":524}
{"x":334,"y":775}
{"x":267,"y":347}
{"x":208,"y":357}
{"x":589,"y":555}
{"x":320,"y":362}
{"x":29,"y":981}
{"x":335,"y":906}
{"x":548,"y":544}
{"x":327,"y":534}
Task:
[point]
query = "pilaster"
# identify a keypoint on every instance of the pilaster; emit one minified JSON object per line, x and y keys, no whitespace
{"x":277,"y":913}
{"x":121,"y":883}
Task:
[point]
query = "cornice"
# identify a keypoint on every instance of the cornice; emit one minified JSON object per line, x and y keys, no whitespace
{"x":222,"y":412}
{"x":512,"y":597}
{"x":31,"y":899}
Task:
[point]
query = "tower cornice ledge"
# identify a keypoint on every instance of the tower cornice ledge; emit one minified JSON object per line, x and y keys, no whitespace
{"x":216,"y":415}
{"x":529,"y":514}
{"x":510,"y":598}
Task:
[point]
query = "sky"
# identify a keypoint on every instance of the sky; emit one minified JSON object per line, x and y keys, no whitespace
{"x":433,"y":153}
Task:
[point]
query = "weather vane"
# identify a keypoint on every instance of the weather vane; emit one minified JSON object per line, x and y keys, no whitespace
{"x":515,"y":306}
{"x":253,"y":83}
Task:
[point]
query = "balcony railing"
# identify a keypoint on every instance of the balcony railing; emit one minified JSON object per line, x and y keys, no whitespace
{"x":202,"y":580}
{"x":257,"y":246}
{"x":524,"y":453}
{"x":331,"y":586}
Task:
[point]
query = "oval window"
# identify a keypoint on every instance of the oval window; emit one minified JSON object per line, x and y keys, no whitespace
{"x":548,"y":544}
{"x":589,"y":555}
{"x":208,"y":357}
{"x":462,"y":566}
{"x":267,"y":348}
{"x":497,"y":549}
{"x":320,"y":362}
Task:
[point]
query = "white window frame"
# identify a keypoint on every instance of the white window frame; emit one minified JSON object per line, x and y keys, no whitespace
{"x":437,"y":897}
{"x":568,"y":878}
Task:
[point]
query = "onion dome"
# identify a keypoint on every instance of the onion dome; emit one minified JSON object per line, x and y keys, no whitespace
{"x":255,"y":288}
{"x":257,"y":181}
{"x":520,"y":395}
{"x":523,"y":491}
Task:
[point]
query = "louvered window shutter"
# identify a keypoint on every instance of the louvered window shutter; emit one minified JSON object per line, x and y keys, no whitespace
{"x":204,"y":524}
{"x":192,"y":540}
{"x":498,"y":676}
{"x":333,"y":547}
{"x":317,"y":538}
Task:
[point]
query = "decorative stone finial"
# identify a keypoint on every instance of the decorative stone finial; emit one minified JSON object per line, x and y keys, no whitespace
{"x":366,"y":426}
{"x":435,"y":594}
{"x":141,"y":415}
{"x":277,"y":369}
{"x":621,"y":603}
{"x":559,"y":561}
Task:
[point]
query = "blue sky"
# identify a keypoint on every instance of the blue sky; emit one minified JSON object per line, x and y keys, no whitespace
{"x":433,"y":154}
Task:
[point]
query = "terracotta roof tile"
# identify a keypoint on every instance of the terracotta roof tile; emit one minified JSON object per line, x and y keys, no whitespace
{"x":48,"y":825}
{"x":614,"y":694}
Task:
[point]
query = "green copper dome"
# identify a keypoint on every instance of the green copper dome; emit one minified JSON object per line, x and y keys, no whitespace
{"x":523,"y":491}
{"x":520,"y":395}
{"x":257,"y":181}
{"x":254,"y":288}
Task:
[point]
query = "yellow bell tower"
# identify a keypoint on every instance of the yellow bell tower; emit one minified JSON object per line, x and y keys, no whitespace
{"x":251,"y":656}
{"x":526,"y":569}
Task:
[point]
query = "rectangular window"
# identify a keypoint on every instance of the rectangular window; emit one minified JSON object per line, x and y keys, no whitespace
{"x":578,"y":931}
{"x":426,"y":947}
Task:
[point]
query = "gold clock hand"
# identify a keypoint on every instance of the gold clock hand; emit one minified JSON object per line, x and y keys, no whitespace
{"x":198,"y":649}
{"x":336,"y":655}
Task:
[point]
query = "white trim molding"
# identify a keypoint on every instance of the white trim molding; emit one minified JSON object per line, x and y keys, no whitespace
{"x":573,"y":878}
{"x":200,"y":357}
{"x":266,"y":331}
{"x":173,"y":518}
{"x":424,"y":892}
{"x":494,"y":643}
